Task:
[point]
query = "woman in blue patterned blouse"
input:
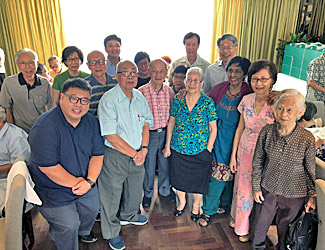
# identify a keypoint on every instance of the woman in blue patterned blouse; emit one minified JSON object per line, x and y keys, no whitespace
{"x":191,"y":133}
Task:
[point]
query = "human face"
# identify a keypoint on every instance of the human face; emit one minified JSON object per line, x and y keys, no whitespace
{"x":235,"y":74}
{"x":127,"y":83}
{"x":97,"y":70}
{"x":74,"y":112}
{"x":45,"y":73}
{"x":158,"y":72}
{"x":191,"y":46}
{"x":178,"y":80}
{"x":193,"y":83}
{"x":73,"y":62}
{"x":113,"y":49}
{"x":261,"y":82}
{"x":55,"y":65}
{"x":227,"y":50}
{"x":286,"y":112}
{"x":27,"y":64}
{"x":143,"y":66}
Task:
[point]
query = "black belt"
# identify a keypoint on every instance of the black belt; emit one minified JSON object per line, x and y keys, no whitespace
{"x":159,"y":130}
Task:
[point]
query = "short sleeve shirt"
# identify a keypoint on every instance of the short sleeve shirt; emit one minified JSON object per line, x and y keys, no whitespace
{"x":191,"y":132}
{"x":61,"y":78}
{"x":316,"y":72}
{"x":54,"y":141}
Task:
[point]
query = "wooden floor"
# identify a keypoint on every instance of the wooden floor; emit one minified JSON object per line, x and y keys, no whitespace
{"x":164,"y":231}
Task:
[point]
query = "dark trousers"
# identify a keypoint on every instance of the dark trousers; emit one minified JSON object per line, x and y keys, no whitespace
{"x":285,"y":210}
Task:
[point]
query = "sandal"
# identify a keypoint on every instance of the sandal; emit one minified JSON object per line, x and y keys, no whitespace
{"x":206,"y":218}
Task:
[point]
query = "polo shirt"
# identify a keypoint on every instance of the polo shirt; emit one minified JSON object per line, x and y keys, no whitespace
{"x":98,"y":90}
{"x":55,"y":141}
{"x":118,"y":115}
{"x":27,"y":102}
{"x":111,"y":69}
{"x":214,"y":75}
{"x":61,"y":78}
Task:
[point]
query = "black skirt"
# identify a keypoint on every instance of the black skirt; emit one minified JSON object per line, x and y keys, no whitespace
{"x":190,"y":173}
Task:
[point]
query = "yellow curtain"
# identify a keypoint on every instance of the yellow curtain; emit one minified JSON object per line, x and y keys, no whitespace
{"x":226,"y":20}
{"x":34,"y":24}
{"x":317,"y":21}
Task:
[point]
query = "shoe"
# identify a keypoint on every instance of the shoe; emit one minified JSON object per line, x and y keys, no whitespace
{"x":195,"y":217}
{"x":171,"y":198}
{"x":88,"y":238}
{"x":146,"y":201}
{"x":141,"y":221}
{"x":206,"y":218}
{"x":232,"y":223}
{"x":221,"y":210}
{"x":116,"y":243}
{"x":244,"y":238}
{"x":177,"y":212}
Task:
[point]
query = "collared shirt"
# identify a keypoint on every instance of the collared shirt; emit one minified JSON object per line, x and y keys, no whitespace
{"x":159,"y":102}
{"x":191,"y":131}
{"x":13,"y":144}
{"x":118,"y":115}
{"x":60,"y":79}
{"x":53,"y":140}
{"x":199,"y":62}
{"x":98,"y":90}
{"x":27,"y":102}
{"x":215,"y":74}
{"x":111,"y":69}
{"x":316,"y":72}
{"x":284,"y":165}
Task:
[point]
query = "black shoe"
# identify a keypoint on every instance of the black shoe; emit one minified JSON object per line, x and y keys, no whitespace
{"x":146,"y":201}
{"x":170,"y":198}
{"x":88,"y":238}
{"x":178,"y":213}
{"x":195,"y":217}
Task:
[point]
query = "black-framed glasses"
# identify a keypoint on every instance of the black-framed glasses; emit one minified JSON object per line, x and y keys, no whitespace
{"x":74,"y":99}
{"x":127,"y":73}
{"x":262,"y":80}
{"x":179,"y":77}
{"x":194,"y":81}
{"x":99,"y":62}
{"x":70,"y":60}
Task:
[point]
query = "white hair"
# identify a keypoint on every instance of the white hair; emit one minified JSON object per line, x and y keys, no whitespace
{"x":195,"y":70}
{"x":26,"y":50}
{"x":299,"y":100}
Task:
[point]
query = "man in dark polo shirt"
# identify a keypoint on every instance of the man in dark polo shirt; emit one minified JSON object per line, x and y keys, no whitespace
{"x":67,"y":157}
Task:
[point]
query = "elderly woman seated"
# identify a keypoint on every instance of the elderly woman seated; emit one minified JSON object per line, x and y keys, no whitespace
{"x":13,"y":144}
{"x":283,"y":170}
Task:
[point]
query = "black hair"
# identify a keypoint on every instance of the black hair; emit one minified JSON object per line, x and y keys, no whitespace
{"x":262,"y":64}
{"x":140,"y":56}
{"x":69,"y":50}
{"x":180,"y":69}
{"x":310,"y":112}
{"x":39,"y":69}
{"x":229,"y":37}
{"x":112,"y":37}
{"x":77,"y":83}
{"x":190,"y":35}
{"x":243,"y":63}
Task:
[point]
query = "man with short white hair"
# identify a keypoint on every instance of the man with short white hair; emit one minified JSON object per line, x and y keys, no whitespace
{"x":25,"y":96}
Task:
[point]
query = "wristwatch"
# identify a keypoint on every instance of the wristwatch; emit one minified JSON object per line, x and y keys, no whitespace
{"x":91,"y":183}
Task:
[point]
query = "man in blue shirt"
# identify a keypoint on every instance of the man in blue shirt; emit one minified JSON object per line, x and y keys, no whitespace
{"x":112,"y":45}
{"x":67,"y":157}
{"x":124,"y":118}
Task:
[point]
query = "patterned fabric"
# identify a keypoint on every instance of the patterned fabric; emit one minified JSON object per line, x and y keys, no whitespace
{"x":243,"y":196}
{"x":320,"y":152}
{"x":284,"y":165}
{"x":159,"y":102}
{"x":221,"y":172}
{"x":316,"y":72}
{"x":191,"y":131}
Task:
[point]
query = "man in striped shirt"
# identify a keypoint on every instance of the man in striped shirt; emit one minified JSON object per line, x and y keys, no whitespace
{"x":99,"y":80}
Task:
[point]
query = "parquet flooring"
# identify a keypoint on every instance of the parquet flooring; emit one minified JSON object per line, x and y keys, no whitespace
{"x":164,"y":231}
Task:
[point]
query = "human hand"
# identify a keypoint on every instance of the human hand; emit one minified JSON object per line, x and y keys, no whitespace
{"x":180,"y":95}
{"x":140,"y":157}
{"x":166,"y":152}
{"x":81,"y":187}
{"x":273,"y":96}
{"x":258,"y":197}
{"x":310,"y":204}
{"x":233,"y":165}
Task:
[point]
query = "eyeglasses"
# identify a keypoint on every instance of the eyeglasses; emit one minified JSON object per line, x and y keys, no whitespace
{"x":99,"y":62}
{"x":226,"y":47}
{"x":75,"y":100}
{"x":73,"y":59}
{"x":127,"y":74}
{"x":54,"y":66}
{"x":236,"y":71}
{"x":194,"y":81}
{"x":24,"y":64}
{"x":179,"y":77}
{"x":262,"y":80}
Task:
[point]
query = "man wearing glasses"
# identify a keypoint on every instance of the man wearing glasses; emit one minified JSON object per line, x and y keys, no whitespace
{"x":25,"y":96}
{"x":67,"y":157}
{"x":99,"y":80}
{"x":124,"y":118}
{"x":216,"y":73}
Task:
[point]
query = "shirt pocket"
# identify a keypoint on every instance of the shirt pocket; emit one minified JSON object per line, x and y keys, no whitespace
{"x":39,"y":102}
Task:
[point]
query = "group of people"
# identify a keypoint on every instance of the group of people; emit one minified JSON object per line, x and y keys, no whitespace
{"x":95,"y":140}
